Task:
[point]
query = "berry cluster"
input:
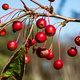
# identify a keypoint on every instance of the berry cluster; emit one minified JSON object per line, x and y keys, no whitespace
{"x":40,"y":37}
{"x":73,"y":51}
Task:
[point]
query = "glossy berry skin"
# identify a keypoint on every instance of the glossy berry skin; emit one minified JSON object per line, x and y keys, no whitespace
{"x":12,"y":45}
{"x":3,"y":32}
{"x":5,"y":6}
{"x":50,"y":30}
{"x":51,"y":0}
{"x":45,"y":53}
{"x":77,"y":40}
{"x":50,"y":56}
{"x":72,"y":52}
{"x":38,"y":51}
{"x":27,"y":59}
{"x":40,"y":37}
{"x":58,"y":64}
{"x":41,"y":23}
{"x":17,"y":25}
{"x":32,"y":42}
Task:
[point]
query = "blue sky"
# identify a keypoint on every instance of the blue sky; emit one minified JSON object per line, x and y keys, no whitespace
{"x":71,"y":29}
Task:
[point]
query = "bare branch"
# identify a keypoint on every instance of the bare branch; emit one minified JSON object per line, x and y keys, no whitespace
{"x":37,"y":14}
{"x":25,"y":6}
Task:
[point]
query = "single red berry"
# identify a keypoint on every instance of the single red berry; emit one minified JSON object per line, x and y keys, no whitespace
{"x":41,"y":23}
{"x":40,"y":37}
{"x":3,"y":32}
{"x":50,"y":56}
{"x":12,"y":45}
{"x":72,"y":52}
{"x":27,"y":44}
{"x":5,"y":6}
{"x":50,"y":30}
{"x":27,"y":59}
{"x":45,"y":53}
{"x":32,"y":42}
{"x":38,"y":51}
{"x":17,"y":25}
{"x":51,"y":0}
{"x":58,"y":64}
{"x":77,"y":40}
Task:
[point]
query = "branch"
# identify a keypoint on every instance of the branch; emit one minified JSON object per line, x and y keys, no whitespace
{"x":37,"y":14}
{"x":25,"y":6}
{"x":38,"y":4}
{"x":60,"y":17}
{"x":52,"y":14}
{"x":50,"y":9}
{"x":17,"y":18}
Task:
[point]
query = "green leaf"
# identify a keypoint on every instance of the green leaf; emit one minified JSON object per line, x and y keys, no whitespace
{"x":14,"y":68}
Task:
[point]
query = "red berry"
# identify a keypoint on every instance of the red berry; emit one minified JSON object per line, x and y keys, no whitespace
{"x":5,"y":6}
{"x":50,"y":30}
{"x":3,"y":32}
{"x":77,"y":40}
{"x":17,"y":25}
{"x":40,"y":37}
{"x":51,"y":0}
{"x":27,"y":59}
{"x":32,"y":42}
{"x":72,"y":52}
{"x":41,"y":23}
{"x":58,"y":64}
{"x":45,"y":53}
{"x":50,"y":56}
{"x":38,"y":51}
{"x":12,"y":45}
{"x":27,"y":44}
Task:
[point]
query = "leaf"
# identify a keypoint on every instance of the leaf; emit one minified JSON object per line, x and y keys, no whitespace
{"x":14,"y":68}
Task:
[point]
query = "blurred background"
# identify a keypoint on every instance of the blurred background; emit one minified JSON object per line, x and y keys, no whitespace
{"x":42,"y":69}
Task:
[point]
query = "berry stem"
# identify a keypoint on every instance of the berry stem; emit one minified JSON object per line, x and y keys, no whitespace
{"x":35,"y":8}
{"x":15,"y":14}
{"x":56,"y":23}
{"x":15,"y":8}
{"x":12,"y":17}
{"x":48,"y":19}
{"x":45,"y":42}
{"x":20,"y":32}
{"x":29,"y":32}
{"x":6,"y":18}
{"x":58,"y":26}
{"x":18,"y":36}
{"x":50,"y":48}
{"x":59,"y":42}
{"x":24,"y":33}
{"x":44,"y":11}
{"x":8,"y":13}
